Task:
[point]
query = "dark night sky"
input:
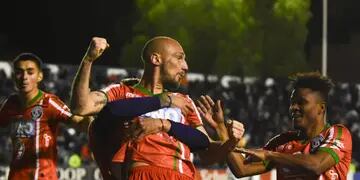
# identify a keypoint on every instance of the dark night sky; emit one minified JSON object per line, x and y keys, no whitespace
{"x":343,"y":39}
{"x":61,"y":30}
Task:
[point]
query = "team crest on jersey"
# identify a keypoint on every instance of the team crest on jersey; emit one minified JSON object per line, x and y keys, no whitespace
{"x":36,"y":112}
{"x":19,"y":149}
{"x":316,"y":142}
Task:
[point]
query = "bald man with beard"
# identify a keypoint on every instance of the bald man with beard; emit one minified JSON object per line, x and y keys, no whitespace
{"x":160,"y":140}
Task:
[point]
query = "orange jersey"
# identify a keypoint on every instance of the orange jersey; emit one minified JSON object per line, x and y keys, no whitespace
{"x":335,"y":140}
{"x":158,"y":149}
{"x":33,"y":135}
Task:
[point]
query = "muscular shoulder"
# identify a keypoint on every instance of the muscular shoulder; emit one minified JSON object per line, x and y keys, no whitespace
{"x":50,"y":96}
{"x":338,"y":132}
{"x":52,"y":99}
{"x":111,"y":87}
{"x":339,"y":129}
{"x":125,"y":83}
{"x":183,"y":95}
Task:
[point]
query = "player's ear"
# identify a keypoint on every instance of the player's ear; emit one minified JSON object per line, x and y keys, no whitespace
{"x":155,"y":59}
{"x":40,"y":77}
{"x":322,"y":107}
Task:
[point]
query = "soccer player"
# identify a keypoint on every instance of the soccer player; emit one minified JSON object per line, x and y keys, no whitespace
{"x":314,"y":150}
{"x":162,"y":153}
{"x":32,"y":116}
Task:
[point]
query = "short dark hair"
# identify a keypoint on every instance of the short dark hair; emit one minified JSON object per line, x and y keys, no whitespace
{"x":28,"y":56}
{"x":314,"y":81}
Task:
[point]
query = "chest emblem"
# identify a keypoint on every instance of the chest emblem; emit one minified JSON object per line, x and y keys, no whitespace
{"x":316,"y":142}
{"x":36,"y":112}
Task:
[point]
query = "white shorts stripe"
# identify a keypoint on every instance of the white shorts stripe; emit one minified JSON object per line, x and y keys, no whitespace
{"x":181,"y":169}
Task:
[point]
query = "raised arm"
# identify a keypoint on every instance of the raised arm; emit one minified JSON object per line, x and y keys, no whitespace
{"x":83,"y":100}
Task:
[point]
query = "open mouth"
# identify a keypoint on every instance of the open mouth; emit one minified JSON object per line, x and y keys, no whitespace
{"x":296,"y":115}
{"x":181,"y":76}
{"x":22,"y":86}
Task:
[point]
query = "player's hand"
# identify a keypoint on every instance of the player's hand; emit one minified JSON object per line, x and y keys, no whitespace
{"x":96,"y":47}
{"x":145,"y":126}
{"x":235,"y":129}
{"x":257,"y":153}
{"x":210,"y":111}
{"x":176,"y":102}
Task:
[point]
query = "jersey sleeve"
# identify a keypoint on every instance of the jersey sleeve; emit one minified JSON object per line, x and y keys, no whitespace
{"x":60,"y":111}
{"x":337,"y":142}
{"x":194,"y":117}
{"x":114,"y":92}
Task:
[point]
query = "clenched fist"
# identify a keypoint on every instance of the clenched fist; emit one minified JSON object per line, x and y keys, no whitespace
{"x":96,"y":47}
{"x":236,"y":129}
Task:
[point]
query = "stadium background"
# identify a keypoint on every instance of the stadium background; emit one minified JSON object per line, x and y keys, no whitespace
{"x":240,"y":51}
{"x":261,"y":104}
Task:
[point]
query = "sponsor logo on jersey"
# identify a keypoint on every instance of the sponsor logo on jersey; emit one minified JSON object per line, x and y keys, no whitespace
{"x":19,"y":149}
{"x":333,"y":174}
{"x":131,"y":95}
{"x":173,"y":114}
{"x":23,"y":129}
{"x":47,"y":139}
{"x":337,"y":145}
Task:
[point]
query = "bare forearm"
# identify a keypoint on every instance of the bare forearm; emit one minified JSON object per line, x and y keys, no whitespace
{"x":217,"y":152}
{"x":241,"y":169}
{"x":222,"y":132}
{"x":316,"y":163}
{"x":80,"y":88}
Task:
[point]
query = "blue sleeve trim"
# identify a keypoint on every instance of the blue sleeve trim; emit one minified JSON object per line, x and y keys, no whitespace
{"x":193,"y":138}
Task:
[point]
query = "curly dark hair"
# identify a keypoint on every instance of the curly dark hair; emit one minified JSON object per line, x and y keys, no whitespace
{"x":314,"y":81}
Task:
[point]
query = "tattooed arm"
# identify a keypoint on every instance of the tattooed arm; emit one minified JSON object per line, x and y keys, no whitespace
{"x":83,"y":100}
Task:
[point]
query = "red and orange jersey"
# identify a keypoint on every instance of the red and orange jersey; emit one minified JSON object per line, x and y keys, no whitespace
{"x":33,"y":134}
{"x":158,"y":149}
{"x":334,"y":140}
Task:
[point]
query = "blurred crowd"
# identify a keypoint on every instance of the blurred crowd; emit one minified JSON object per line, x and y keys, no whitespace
{"x":262,"y":105}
